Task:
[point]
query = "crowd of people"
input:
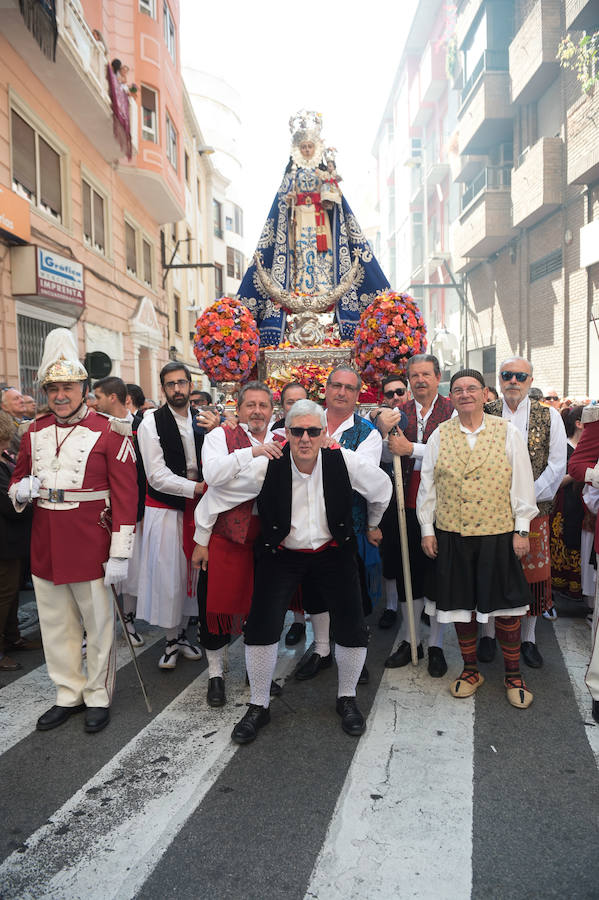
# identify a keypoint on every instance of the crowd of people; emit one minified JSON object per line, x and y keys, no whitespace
{"x":232,"y":518}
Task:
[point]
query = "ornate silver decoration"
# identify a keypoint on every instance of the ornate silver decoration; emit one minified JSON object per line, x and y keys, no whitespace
{"x":316,"y":303}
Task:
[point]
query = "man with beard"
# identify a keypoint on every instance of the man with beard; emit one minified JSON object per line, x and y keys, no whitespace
{"x":171,"y":451}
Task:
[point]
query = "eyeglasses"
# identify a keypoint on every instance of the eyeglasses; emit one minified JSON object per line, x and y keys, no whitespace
{"x":338,"y":385}
{"x":390,"y":394}
{"x":312,"y":432}
{"x":553,"y":398}
{"x":519,"y":376}
{"x":173,"y":384}
{"x":457,"y":392}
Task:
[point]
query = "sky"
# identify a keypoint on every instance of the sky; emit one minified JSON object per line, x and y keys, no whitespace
{"x":338,"y":58}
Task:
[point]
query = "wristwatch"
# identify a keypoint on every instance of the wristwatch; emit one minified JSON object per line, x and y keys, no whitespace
{"x":522,"y":533}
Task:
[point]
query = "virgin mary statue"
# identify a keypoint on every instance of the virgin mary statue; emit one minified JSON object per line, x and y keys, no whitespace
{"x":311,"y":244}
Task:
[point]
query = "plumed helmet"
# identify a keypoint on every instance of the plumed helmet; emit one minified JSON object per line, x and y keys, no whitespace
{"x":60,"y":361}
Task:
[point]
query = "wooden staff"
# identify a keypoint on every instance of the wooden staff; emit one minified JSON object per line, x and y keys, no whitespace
{"x":405,"y":554}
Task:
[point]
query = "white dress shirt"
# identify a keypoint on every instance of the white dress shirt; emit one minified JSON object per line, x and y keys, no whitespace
{"x":218,"y":465}
{"x":159,"y":476}
{"x":548,"y":482}
{"x":522,"y":494}
{"x":309,"y":528}
{"x":370,"y":448}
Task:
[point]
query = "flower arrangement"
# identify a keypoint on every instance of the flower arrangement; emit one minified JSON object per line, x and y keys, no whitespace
{"x":391,"y":330}
{"x":226,"y":341}
{"x":311,"y":376}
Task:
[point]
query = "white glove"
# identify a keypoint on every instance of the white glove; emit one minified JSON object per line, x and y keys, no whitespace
{"x":116,"y":572}
{"x":28,"y":489}
{"x":592,"y":475}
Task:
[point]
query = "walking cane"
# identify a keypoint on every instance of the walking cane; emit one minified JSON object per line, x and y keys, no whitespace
{"x":405,"y":554}
{"x":128,"y":639}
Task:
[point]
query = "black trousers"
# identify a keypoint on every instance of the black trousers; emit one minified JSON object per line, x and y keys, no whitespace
{"x":330,"y":578}
{"x":420,"y":564}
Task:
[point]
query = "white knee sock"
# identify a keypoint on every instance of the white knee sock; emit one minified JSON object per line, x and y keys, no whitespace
{"x":390,"y":593}
{"x":404,"y":628}
{"x":215,"y":663}
{"x":529,"y":623}
{"x":129,"y":603}
{"x":437,"y":633}
{"x":350,"y":662}
{"x":260,"y":662}
{"x":487,"y":629}
{"x":320,"y":624}
{"x":299,"y":617}
{"x":171,"y":634}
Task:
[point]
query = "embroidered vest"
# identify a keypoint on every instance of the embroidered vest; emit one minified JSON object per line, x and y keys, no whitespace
{"x":350,"y":440}
{"x":274,"y":500}
{"x":174,"y":454}
{"x":539,"y":437}
{"x":234,"y":523}
{"x":442,"y":410}
{"x":473,"y":486}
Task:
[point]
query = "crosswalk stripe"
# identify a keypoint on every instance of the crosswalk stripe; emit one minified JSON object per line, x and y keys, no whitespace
{"x":410,"y":785}
{"x":108,"y":837}
{"x":574,"y":639}
{"x":25,"y":699}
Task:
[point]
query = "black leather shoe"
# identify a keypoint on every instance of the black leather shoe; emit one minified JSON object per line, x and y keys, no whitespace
{"x":402,"y":656}
{"x":96,"y":718}
{"x":352,"y":720}
{"x":314,"y":665}
{"x":275,"y":689}
{"x":531,"y":655}
{"x":247,"y":728}
{"x":595,"y":710}
{"x":296,"y":633}
{"x":388,"y":619}
{"x":437,"y":667}
{"x":364,"y":676}
{"x":215,"y":695}
{"x":486,"y":649}
{"x":57,"y":715}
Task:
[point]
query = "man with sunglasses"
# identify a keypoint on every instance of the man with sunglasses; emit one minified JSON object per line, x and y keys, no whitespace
{"x":427,"y":410}
{"x":543,"y":430}
{"x":305,"y":499}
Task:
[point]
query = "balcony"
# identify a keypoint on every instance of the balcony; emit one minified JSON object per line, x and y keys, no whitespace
{"x":533,"y":52}
{"x":433,"y":77}
{"x":467,"y":13}
{"x":420,"y":112}
{"x":583,"y":147}
{"x":581,"y":15}
{"x":589,"y":244}
{"x":485,"y":223}
{"x":485,"y":115}
{"x":537,"y":182}
{"x":77,"y":79}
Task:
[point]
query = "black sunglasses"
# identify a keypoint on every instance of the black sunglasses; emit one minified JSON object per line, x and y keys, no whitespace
{"x":390,"y":394}
{"x":552,"y":398}
{"x":312,"y":432}
{"x":519,"y":376}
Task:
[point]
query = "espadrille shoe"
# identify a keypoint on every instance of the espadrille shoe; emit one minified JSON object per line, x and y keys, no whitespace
{"x":467,"y":684}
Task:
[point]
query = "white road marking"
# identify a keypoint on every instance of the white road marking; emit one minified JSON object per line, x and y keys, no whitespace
{"x":403,"y":822}
{"x":108,"y":837}
{"x":574,"y":639}
{"x":24,"y":700}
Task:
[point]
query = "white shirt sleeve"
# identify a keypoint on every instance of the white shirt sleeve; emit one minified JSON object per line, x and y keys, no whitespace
{"x":159,"y":476}
{"x":371,"y":482}
{"x":522,"y":490}
{"x":371,"y":448}
{"x":218,"y":465}
{"x":548,"y":482}
{"x":426,"y":501}
{"x":246,"y":485}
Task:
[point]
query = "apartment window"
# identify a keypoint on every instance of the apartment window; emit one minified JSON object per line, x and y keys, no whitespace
{"x":36,"y":168}
{"x":147,"y":262}
{"x":147,"y":7}
{"x":169,"y":31}
{"x":218,"y":280}
{"x":149,"y":121}
{"x":171,"y":143}
{"x":234,"y":263}
{"x":229,"y":223}
{"x":217,"y":218}
{"x":239,"y":220}
{"x":199,"y":192}
{"x":186,"y":166}
{"x":130,"y":249}
{"x":177,"y":313}
{"x":94,"y":228}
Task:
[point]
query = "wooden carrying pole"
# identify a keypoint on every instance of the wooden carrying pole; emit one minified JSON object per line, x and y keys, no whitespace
{"x":405,"y":554}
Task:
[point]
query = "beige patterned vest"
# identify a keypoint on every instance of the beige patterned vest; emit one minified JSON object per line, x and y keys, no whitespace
{"x":539,"y":436}
{"x":473,"y":486}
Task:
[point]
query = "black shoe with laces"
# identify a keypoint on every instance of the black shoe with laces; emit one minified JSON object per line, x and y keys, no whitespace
{"x":388,"y":619}
{"x":437,"y":666}
{"x":402,"y":656}
{"x":352,"y":720}
{"x":247,"y":728}
{"x":215,"y":695}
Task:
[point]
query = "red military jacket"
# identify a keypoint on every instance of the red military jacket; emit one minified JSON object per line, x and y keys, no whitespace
{"x":585,"y":457}
{"x":71,"y":540}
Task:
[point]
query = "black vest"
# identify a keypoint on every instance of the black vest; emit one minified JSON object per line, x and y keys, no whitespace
{"x":174,"y":454}
{"x":274,"y":500}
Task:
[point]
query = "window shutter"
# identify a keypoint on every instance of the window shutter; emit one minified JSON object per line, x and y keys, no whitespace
{"x":86,"y":202}
{"x":98,"y":221}
{"x":50,"y":188}
{"x":23,"y":154}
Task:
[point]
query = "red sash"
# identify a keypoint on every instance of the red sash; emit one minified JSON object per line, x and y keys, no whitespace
{"x":537,"y":565}
{"x":230,"y":581}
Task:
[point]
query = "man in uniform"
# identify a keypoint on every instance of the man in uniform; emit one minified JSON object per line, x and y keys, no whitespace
{"x":78,"y":468}
{"x":543,"y":430}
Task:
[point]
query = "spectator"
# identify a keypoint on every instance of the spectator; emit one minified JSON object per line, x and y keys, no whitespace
{"x":30,"y":406}
{"x":566,"y":521}
{"x":12,"y":403}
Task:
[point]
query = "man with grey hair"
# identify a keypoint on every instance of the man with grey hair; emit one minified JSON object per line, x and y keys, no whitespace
{"x":224,"y":593}
{"x":543,"y":430}
{"x":304,"y":497}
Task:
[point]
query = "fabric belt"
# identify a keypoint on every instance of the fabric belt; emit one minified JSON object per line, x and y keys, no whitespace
{"x":57,"y":495}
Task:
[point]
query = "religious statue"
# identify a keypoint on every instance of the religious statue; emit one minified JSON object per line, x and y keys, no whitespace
{"x":312,"y":256}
